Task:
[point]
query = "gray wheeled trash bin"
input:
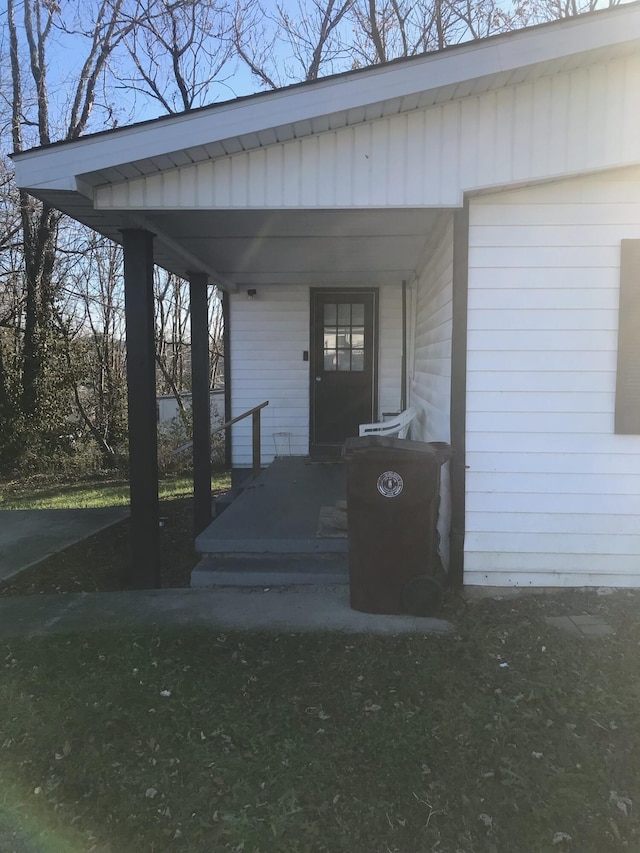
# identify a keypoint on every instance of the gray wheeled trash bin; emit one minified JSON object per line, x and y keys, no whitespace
{"x":393,"y":495}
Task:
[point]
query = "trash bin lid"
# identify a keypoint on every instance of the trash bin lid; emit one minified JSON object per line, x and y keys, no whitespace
{"x":386,"y":445}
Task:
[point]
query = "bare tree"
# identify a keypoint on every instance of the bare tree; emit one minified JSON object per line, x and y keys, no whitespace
{"x":90,"y":322}
{"x":173,"y":345}
{"x":31,"y":124}
{"x":178,"y":51}
{"x":286,"y":46}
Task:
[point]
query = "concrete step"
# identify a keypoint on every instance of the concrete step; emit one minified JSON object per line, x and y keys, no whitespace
{"x":260,"y":570}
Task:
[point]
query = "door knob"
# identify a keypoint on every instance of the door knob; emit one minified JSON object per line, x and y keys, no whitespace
{"x":318,"y":378}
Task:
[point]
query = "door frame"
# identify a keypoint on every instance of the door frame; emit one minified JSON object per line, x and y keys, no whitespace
{"x":342,"y":291}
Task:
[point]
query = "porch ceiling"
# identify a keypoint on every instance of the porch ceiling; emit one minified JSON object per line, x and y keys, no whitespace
{"x":261,"y":247}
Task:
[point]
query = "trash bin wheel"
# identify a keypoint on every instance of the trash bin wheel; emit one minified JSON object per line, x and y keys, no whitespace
{"x":421,"y":595}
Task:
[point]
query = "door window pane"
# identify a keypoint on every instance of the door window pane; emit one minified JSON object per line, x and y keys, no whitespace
{"x":344,"y":360}
{"x":344,"y":313}
{"x":357,"y":314}
{"x":344,"y":337}
{"x":330,"y":359}
{"x":357,"y":338}
{"x":330,"y":314}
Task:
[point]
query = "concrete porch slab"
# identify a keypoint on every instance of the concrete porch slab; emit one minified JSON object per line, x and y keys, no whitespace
{"x":278,"y":512}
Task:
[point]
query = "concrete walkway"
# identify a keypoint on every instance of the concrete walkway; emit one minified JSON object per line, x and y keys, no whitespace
{"x":291,"y":609}
{"x":28,"y":536}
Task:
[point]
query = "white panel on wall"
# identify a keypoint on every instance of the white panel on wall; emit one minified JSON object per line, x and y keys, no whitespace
{"x":552,"y":492}
{"x":268,"y":336}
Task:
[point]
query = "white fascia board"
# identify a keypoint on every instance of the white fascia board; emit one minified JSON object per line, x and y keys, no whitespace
{"x":58,"y":165}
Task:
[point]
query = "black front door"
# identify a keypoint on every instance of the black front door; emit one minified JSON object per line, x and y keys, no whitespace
{"x":343,"y":364}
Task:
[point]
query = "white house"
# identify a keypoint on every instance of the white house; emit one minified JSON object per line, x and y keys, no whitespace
{"x":168,"y":411}
{"x":455,"y":232}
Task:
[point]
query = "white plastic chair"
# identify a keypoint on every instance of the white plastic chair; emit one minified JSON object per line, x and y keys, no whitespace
{"x":397,"y":425}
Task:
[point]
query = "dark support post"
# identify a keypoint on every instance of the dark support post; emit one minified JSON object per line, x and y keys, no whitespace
{"x":226,"y":356}
{"x":141,"y":383}
{"x":257,"y":449}
{"x":403,"y":368}
{"x":200,"y":401}
{"x":457,"y":465}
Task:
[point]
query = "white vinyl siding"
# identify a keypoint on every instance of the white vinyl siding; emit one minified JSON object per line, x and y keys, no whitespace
{"x":431,"y":316}
{"x":430,"y":370}
{"x":269,"y":335}
{"x":568,"y":123}
{"x":553,"y":495}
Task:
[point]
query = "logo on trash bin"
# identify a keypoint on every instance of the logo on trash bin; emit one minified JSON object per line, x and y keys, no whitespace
{"x":390,"y":484}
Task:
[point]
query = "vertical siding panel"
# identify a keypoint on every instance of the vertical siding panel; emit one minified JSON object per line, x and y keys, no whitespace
{"x":240,"y":180}
{"x":557,"y":142}
{"x":451,"y":149}
{"x":326,"y":171}
{"x":576,"y":121}
{"x":205,"y":186}
{"x":362,"y":168}
{"x":487,"y":139}
{"x":344,"y":167}
{"x":541,"y":126}
{"x":523,"y":131}
{"x":220,"y":187}
{"x":614,"y":113}
{"x":379,"y":164}
{"x":596,"y":94}
{"x":433,"y":185}
{"x":256,"y":178}
{"x":412,"y":189}
{"x":275,"y":176}
{"x":309,"y":172}
{"x":291,"y":168}
{"x":469,"y":130}
{"x":152,"y":191}
{"x":187,"y":191}
{"x":171,"y":189}
{"x":137,"y":191}
{"x":398,"y":160}
{"x":504,"y":136}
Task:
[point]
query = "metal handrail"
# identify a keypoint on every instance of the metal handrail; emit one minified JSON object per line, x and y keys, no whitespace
{"x":255,"y":433}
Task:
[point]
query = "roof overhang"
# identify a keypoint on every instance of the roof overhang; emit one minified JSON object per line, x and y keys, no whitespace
{"x":67,"y":174}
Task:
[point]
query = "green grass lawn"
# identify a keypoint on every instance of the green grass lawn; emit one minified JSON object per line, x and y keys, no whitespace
{"x":200,"y":741}
{"x":94,"y":492}
{"x":101,"y":562}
